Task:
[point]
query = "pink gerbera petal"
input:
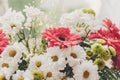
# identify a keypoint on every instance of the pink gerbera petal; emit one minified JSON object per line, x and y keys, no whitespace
{"x":61,"y":37}
{"x":3,"y":41}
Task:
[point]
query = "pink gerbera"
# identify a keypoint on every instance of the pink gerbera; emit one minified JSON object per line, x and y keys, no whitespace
{"x":3,"y":41}
{"x":111,"y":34}
{"x":61,"y":37}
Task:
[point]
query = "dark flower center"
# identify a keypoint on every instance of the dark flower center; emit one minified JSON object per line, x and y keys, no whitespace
{"x":86,"y":74}
{"x":62,"y":38}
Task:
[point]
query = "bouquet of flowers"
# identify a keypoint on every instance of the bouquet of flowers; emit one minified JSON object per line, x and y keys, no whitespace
{"x":80,"y":48}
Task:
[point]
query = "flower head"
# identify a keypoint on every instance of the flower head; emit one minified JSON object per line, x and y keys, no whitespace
{"x":3,"y":41}
{"x":61,"y":37}
{"x":111,"y":35}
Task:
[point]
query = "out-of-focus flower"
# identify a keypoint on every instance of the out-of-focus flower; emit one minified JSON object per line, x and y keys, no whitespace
{"x":12,"y":21}
{"x":111,"y":34}
{"x":61,"y":37}
{"x":80,"y":22}
{"x":34,"y":15}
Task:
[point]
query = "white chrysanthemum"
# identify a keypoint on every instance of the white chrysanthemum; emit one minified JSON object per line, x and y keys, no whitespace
{"x":22,"y":75}
{"x":13,"y":51}
{"x":79,"y":22}
{"x":5,"y":73}
{"x":50,"y":73}
{"x":18,"y":75}
{"x":12,"y":21}
{"x":86,"y":71}
{"x":77,"y":52}
{"x":57,"y":56}
{"x":36,"y":62}
{"x":8,"y":63}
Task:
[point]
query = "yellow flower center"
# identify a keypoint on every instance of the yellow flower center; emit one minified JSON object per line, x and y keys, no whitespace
{"x":49,"y":74}
{"x":54,"y":58}
{"x":12,"y":53}
{"x":12,"y":25}
{"x":73,"y":55}
{"x":2,"y":77}
{"x":38,"y":63}
{"x":86,"y":74}
{"x":21,"y":78}
{"x":5,"y":65}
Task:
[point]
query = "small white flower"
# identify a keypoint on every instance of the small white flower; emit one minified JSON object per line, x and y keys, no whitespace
{"x":36,"y":62}
{"x":32,"y":11}
{"x":34,"y":16}
{"x":86,"y":71}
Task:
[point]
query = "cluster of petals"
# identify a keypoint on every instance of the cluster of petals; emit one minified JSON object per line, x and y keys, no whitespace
{"x":111,"y":34}
{"x":61,"y":36}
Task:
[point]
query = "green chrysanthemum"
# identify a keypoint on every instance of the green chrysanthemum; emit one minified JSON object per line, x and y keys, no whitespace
{"x":89,"y":52}
{"x":38,"y":75}
{"x":106,"y":55}
{"x":97,"y":49}
{"x":100,"y":41}
{"x":112,"y":51}
{"x":100,"y":63}
{"x":89,"y":11}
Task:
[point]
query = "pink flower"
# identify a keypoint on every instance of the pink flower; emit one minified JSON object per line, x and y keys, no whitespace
{"x":61,"y":37}
{"x":111,"y":34}
{"x":3,"y":41}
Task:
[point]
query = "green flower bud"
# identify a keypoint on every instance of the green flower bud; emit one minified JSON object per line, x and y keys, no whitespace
{"x":112,"y":51}
{"x":88,"y":57}
{"x":106,"y":56}
{"x":97,"y":49}
{"x":100,"y":41}
{"x":100,"y":63}
{"x":89,"y":11}
{"x":38,"y":75}
{"x":89,"y":52}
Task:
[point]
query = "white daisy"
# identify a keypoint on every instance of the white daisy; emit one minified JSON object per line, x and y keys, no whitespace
{"x":5,"y":74}
{"x":77,"y":52}
{"x":36,"y":62}
{"x":18,"y":75}
{"x":50,"y":73}
{"x":13,"y":51}
{"x":28,"y":75}
{"x":23,"y":75}
{"x":12,"y":21}
{"x":57,"y":56}
{"x":8,"y":63}
{"x":86,"y":71}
